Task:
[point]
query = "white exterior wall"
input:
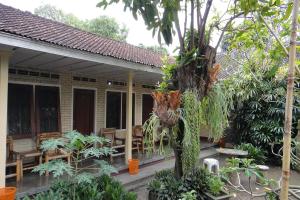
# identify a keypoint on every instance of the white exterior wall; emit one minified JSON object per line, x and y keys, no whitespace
{"x":67,"y":84}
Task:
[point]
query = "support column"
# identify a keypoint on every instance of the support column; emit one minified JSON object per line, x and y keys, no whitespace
{"x":4,"y":60}
{"x":128,"y":145}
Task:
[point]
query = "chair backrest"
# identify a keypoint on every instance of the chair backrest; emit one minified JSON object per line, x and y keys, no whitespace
{"x":108,"y":133}
{"x":46,"y":136}
{"x":9,"y":147}
{"x":137,"y":130}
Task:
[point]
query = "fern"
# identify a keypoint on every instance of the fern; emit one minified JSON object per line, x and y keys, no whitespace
{"x":216,"y":110}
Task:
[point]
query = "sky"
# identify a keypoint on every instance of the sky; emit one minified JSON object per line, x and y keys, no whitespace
{"x":86,"y":9}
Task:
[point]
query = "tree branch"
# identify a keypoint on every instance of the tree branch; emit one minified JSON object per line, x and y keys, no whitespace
{"x":191,"y":45}
{"x":225,"y":28}
{"x":278,"y":40}
{"x":199,"y":17}
{"x":205,"y":16}
{"x":185,"y":19}
{"x":180,"y":38}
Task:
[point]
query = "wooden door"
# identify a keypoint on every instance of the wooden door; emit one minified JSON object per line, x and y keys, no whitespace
{"x":84,"y":111}
{"x":147,"y":107}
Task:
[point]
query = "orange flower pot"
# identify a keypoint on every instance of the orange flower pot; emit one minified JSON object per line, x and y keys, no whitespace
{"x":8,"y":193}
{"x":133,"y":166}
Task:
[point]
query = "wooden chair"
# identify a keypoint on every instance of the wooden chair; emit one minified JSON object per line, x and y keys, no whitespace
{"x":110,"y":133}
{"x":55,"y":154}
{"x":34,"y":154}
{"x":13,"y":160}
{"x":138,"y":137}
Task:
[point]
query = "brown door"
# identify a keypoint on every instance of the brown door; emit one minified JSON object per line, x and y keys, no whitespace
{"x":147,"y":107}
{"x":84,"y":111}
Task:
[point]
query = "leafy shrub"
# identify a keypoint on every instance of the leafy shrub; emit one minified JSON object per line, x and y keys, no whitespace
{"x":197,"y":180}
{"x":189,"y":195}
{"x":255,"y":153}
{"x":101,"y":188}
{"x":258,"y":107}
{"x":166,"y":186}
{"x":215,"y":185}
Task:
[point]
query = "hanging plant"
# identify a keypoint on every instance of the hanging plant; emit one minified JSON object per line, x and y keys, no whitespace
{"x":216,"y":108}
{"x":166,"y":107}
{"x":192,"y":118}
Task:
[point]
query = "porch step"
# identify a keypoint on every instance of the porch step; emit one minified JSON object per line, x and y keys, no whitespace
{"x":133,"y":182}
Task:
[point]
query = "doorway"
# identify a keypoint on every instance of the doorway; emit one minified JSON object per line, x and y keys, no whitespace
{"x":84,"y":111}
{"x":147,"y":107}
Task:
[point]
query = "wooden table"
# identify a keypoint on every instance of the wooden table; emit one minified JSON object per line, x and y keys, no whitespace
{"x":232,"y":152}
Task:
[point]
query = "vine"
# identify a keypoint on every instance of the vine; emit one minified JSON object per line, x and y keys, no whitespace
{"x":192,"y":115}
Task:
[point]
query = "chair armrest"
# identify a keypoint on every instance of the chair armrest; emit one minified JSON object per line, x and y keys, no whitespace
{"x":62,"y":151}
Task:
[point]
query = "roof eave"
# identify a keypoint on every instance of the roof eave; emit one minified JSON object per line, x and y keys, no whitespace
{"x":27,"y":43}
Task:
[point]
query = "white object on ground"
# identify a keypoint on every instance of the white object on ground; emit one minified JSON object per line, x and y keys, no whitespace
{"x":212,"y":165}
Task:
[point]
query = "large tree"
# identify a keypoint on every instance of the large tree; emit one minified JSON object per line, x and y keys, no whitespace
{"x":195,"y":69}
{"x":104,"y":26}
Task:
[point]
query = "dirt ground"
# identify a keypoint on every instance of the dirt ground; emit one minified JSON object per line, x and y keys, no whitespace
{"x":274,"y":173}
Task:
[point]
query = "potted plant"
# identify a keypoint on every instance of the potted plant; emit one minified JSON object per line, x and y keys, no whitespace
{"x":216,"y":190}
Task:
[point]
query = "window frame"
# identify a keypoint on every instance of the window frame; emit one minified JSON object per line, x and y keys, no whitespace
{"x":105,"y":105}
{"x":33,"y":114}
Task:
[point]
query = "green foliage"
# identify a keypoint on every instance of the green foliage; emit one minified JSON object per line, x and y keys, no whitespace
{"x":168,"y":70}
{"x":197,"y":179}
{"x":158,"y":16}
{"x":192,"y":115}
{"x":191,"y":195}
{"x":212,"y":111}
{"x":100,"y":188}
{"x":165,"y":185}
{"x":81,"y":148}
{"x":104,"y":26}
{"x":259,"y":106}
{"x":191,"y":186}
{"x":215,"y":185}
{"x":255,"y":153}
{"x":216,"y":110}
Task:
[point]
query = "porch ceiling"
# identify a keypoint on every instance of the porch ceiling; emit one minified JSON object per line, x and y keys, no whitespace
{"x":41,"y":61}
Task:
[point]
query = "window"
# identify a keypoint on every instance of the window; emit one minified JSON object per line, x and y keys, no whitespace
{"x":32,"y":109}
{"x":116,"y":109}
{"x":47,"y":108}
{"x":20,"y":110}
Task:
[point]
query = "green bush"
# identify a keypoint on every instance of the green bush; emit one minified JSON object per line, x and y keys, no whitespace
{"x":255,"y":153}
{"x":258,"y":110}
{"x":101,"y":188}
{"x":166,"y":186}
{"x":215,"y":185}
{"x":197,"y":180}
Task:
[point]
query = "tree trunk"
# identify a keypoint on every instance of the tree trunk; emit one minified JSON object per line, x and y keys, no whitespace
{"x":177,"y":147}
{"x":289,"y":106}
{"x":194,"y":76}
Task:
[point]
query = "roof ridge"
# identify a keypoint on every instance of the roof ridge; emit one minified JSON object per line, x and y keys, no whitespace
{"x":73,"y":27}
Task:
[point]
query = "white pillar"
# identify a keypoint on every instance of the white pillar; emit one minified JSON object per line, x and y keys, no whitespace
{"x":4,"y":60}
{"x":128,"y":145}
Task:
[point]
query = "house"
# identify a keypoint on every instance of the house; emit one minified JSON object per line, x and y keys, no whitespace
{"x":54,"y":77}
